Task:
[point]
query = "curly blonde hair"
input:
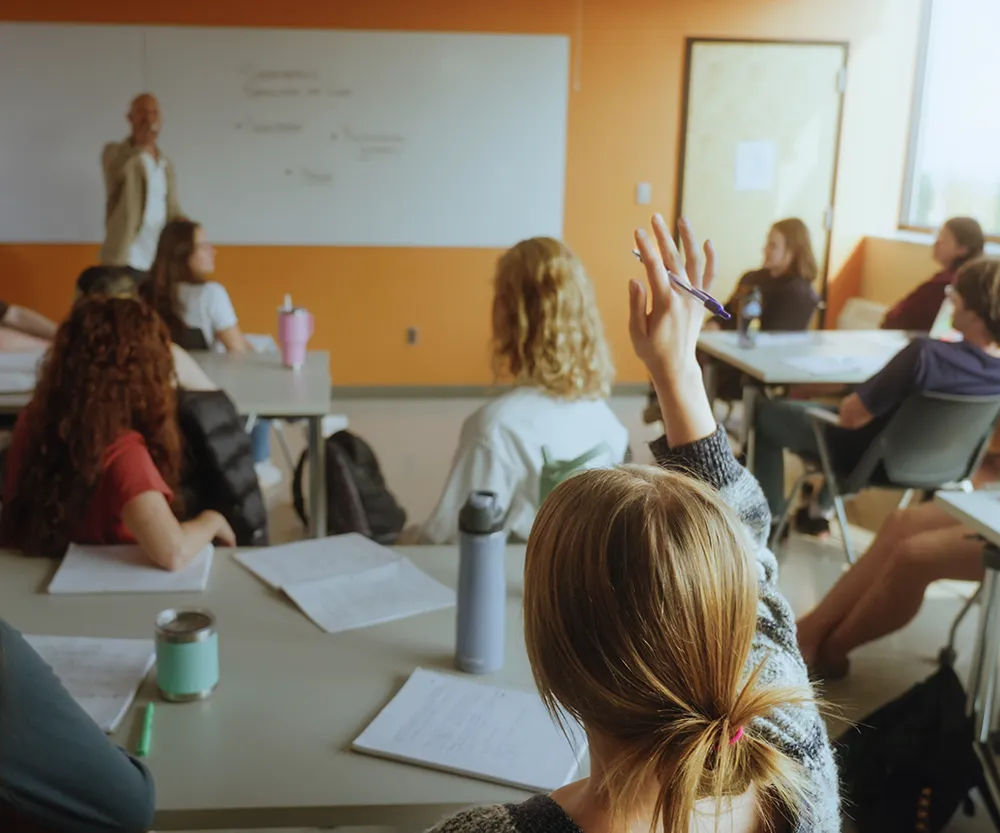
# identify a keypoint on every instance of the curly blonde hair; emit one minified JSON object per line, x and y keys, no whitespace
{"x":547,"y":331}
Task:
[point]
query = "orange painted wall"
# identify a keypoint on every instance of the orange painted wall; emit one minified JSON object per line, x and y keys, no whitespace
{"x":624,"y":124}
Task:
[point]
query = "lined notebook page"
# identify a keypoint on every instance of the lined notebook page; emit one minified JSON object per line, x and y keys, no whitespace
{"x":102,"y":675}
{"x":125,"y":569}
{"x":495,"y":734}
{"x":315,"y":559}
{"x":370,"y":597}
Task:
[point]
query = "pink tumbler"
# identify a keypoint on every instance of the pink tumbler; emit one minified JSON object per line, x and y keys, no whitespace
{"x":295,"y":328}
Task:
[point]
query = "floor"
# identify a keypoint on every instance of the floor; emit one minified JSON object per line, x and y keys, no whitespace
{"x":415,"y":438}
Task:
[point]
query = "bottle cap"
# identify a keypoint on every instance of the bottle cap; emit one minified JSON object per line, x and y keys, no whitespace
{"x":481,"y":514}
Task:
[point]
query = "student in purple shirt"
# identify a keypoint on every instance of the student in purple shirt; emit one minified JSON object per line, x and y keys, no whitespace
{"x":970,"y":367}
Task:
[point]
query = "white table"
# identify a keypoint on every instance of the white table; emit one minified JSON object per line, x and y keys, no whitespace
{"x":270,"y":748}
{"x":766,"y":362}
{"x":260,"y":386}
{"x":980,"y":511}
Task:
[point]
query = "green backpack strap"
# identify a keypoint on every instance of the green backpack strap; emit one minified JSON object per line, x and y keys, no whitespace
{"x":555,"y":472}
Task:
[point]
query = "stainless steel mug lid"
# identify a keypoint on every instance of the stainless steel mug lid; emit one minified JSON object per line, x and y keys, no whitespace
{"x":191,"y":625}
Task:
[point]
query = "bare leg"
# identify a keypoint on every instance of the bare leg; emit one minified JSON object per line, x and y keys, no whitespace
{"x":849,"y":591}
{"x":896,"y":595}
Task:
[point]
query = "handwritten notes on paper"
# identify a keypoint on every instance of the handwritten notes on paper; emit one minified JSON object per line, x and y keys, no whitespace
{"x":456,"y":725}
{"x":102,"y":675}
{"x":348,"y":581}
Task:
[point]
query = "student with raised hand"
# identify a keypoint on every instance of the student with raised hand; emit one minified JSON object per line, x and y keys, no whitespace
{"x":788,"y":299}
{"x":95,"y":458}
{"x":58,"y":770}
{"x":652,"y":616}
{"x":960,"y":240}
{"x":548,"y":338}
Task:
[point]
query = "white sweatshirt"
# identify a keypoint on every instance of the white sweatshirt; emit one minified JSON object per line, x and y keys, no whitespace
{"x":500,"y":450}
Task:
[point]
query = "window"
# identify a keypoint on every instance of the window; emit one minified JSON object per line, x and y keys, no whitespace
{"x":955,"y":144}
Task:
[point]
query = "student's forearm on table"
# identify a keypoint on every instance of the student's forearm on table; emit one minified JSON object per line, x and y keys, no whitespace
{"x":30,"y":322}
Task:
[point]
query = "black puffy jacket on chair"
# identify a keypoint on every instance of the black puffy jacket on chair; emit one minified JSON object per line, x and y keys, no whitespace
{"x":218,"y":468}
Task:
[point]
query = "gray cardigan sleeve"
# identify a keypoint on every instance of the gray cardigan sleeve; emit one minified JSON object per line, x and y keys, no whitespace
{"x":58,"y":770}
{"x":798,"y":732}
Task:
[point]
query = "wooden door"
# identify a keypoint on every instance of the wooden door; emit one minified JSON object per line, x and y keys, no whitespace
{"x":761,"y":130}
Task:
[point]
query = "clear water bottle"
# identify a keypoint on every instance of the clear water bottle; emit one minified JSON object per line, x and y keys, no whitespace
{"x":748,"y":323}
{"x":482,"y":585}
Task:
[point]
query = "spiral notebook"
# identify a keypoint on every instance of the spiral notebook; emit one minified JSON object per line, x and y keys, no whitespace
{"x":454,"y":724}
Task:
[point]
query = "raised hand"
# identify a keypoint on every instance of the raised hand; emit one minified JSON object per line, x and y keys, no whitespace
{"x":664,"y":324}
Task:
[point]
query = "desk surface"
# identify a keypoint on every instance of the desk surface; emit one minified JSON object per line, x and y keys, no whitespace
{"x":259,"y":384}
{"x":270,"y":748}
{"x":978,"y":510}
{"x":256,"y":382}
{"x":765,"y":362}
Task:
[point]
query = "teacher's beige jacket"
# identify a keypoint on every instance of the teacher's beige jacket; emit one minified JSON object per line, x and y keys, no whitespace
{"x":125,"y":182}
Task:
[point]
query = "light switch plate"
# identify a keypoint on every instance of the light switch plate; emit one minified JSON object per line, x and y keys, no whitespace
{"x":643,"y":193}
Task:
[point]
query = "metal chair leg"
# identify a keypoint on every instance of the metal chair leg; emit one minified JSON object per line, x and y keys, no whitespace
{"x":279,"y":429}
{"x":845,"y":529}
{"x":779,"y":530}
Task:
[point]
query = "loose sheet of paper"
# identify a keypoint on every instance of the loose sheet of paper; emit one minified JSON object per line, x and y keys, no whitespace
{"x":825,"y":366}
{"x":102,"y":675}
{"x":315,"y":559}
{"x":756,"y":165}
{"x":125,"y":569}
{"x":370,"y":597}
{"x":787,"y":339}
{"x":457,"y":725}
{"x":17,"y":381}
{"x":23,"y":362}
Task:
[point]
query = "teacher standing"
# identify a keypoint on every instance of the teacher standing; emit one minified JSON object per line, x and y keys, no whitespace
{"x":141,"y":190}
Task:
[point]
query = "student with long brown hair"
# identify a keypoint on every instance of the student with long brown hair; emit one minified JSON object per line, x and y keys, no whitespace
{"x":180,"y":290}
{"x":652,"y":616}
{"x":785,"y":280}
{"x":959,"y":240}
{"x":96,"y":456}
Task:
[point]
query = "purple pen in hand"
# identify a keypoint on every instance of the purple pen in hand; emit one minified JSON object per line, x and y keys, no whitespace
{"x":707,"y":300}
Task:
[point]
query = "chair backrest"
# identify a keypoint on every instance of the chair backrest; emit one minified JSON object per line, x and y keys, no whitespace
{"x":193,"y":338}
{"x":934,"y":439}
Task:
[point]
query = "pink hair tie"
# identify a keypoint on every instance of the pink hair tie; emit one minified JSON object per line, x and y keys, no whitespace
{"x":737,"y":737}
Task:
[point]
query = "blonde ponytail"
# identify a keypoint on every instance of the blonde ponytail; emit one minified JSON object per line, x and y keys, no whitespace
{"x":640,"y":608}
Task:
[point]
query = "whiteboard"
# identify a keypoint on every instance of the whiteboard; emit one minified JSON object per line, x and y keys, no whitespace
{"x":292,"y":137}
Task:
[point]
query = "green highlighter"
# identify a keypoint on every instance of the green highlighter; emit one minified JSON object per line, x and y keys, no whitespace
{"x":147,"y":731}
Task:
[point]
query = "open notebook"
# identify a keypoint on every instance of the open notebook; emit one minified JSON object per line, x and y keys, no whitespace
{"x":125,"y":569}
{"x":102,"y":675}
{"x":347,"y":581}
{"x":457,"y":725}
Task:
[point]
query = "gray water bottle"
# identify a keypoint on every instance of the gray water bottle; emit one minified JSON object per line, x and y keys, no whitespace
{"x":482,"y":585}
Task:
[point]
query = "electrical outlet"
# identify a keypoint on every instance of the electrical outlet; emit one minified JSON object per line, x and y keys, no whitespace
{"x":412,"y":335}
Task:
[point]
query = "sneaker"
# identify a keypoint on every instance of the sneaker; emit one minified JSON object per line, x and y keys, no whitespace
{"x":809,"y":525}
{"x":268,"y":474}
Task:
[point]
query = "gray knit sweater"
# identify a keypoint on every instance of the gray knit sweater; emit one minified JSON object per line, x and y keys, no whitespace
{"x":799,"y":732}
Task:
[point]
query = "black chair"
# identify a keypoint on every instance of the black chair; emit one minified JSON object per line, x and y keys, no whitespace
{"x":934,"y":441}
{"x":192,"y":339}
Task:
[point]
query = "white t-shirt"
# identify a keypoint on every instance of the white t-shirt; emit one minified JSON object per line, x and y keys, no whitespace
{"x":206,"y":307}
{"x":142,"y":252}
{"x":500,"y":450}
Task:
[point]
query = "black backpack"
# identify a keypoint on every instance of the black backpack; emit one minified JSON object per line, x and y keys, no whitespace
{"x":357,"y":499}
{"x":910,"y":764}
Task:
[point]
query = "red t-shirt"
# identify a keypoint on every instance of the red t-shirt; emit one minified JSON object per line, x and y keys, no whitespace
{"x":128,"y":472}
